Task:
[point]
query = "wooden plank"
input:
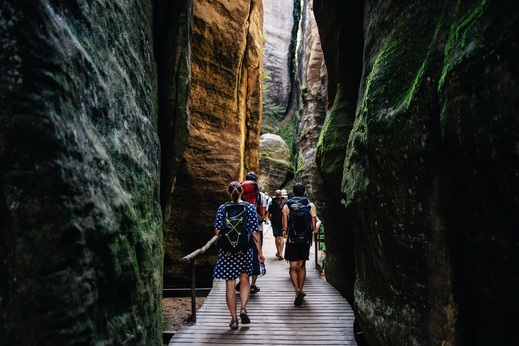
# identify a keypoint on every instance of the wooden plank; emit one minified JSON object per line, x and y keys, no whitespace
{"x":325,"y":318}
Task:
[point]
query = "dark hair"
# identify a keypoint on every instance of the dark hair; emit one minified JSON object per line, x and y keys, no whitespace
{"x":299,"y":189}
{"x":234,"y":190}
{"x":251,"y":176}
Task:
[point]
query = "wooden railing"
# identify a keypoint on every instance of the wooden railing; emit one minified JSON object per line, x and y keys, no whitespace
{"x":191,"y":258}
{"x":318,"y":239}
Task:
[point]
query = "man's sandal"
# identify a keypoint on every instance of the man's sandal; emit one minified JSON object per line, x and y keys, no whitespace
{"x":233,"y":324}
{"x":299,"y":300}
{"x":244,"y":317}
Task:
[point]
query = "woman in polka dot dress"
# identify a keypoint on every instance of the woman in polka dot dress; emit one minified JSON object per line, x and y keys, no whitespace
{"x":231,"y":266}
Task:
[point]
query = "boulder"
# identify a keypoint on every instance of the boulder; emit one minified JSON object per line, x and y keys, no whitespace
{"x":275,"y":166}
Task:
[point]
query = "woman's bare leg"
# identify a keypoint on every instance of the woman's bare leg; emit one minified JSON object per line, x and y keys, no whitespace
{"x":244,"y":290}
{"x":230,"y":297}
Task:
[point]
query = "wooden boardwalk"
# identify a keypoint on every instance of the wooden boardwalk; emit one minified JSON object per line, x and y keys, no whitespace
{"x":325,"y":318}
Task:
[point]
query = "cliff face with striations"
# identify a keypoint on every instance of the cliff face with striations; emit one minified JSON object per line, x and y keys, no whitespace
{"x":80,"y":223}
{"x":224,"y":120}
{"x":341,"y":42}
{"x":172,"y":24}
{"x":80,"y":204}
{"x":312,"y":81}
{"x":277,"y":58}
{"x":423,"y":151}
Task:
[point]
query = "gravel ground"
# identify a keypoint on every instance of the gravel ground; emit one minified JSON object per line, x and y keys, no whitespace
{"x":175,"y":311}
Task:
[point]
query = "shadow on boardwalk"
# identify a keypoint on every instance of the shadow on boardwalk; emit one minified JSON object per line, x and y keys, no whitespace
{"x":325,"y":318}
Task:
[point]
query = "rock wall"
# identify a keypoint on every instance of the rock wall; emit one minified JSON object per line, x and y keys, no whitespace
{"x":312,"y":81}
{"x":172,"y":22}
{"x":224,"y":122}
{"x":278,"y":57}
{"x":80,"y":223}
{"x":342,"y":45}
{"x":423,"y":152}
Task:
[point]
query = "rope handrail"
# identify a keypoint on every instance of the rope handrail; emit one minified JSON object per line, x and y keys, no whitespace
{"x":191,"y":258}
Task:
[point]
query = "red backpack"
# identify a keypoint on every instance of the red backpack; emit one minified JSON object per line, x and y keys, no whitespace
{"x":251,"y":194}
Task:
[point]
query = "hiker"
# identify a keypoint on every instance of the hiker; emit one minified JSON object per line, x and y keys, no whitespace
{"x":299,"y":223}
{"x":275,"y":215}
{"x":252,"y":194}
{"x":267,"y":206}
{"x":229,"y":266}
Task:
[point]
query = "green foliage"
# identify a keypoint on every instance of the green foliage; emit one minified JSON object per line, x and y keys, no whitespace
{"x":271,"y":109}
{"x":266,"y":76}
{"x":284,"y":129}
{"x":304,"y":92}
{"x":300,"y":165}
{"x":274,"y":115}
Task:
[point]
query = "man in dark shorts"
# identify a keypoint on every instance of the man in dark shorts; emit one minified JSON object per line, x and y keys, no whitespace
{"x":276,"y":220}
{"x":296,"y":252}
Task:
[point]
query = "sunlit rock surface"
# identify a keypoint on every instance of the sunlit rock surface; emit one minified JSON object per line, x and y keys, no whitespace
{"x":312,"y":95}
{"x":278,"y":57}
{"x":224,"y":123}
{"x":423,"y":151}
{"x":80,"y":223}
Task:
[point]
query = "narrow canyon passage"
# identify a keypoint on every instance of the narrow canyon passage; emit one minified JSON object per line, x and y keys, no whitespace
{"x":123,"y":122}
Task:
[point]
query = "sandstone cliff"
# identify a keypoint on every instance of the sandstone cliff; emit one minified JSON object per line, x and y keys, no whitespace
{"x":312,"y":96}
{"x":421,"y":152}
{"x":222,"y":141}
{"x":278,"y":57}
{"x":81,"y":227}
{"x":80,"y":223}
{"x":418,"y":154}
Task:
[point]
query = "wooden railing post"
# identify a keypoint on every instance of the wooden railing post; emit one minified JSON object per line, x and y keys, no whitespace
{"x":193,"y":290}
{"x":316,"y":251}
{"x":191,"y":258}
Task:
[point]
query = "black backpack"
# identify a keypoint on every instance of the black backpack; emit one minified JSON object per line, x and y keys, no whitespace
{"x":275,"y":210}
{"x":299,"y":220}
{"x":234,"y":236}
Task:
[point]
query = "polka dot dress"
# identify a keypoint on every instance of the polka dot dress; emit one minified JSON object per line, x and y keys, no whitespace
{"x":230,"y":266}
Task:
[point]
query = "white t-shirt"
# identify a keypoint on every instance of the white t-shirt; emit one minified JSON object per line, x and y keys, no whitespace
{"x":263,"y":200}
